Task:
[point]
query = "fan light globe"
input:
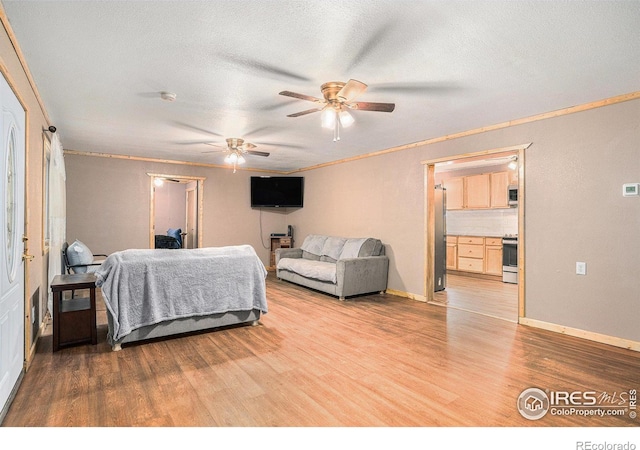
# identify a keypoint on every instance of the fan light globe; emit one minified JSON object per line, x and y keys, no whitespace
{"x":158,"y":182}
{"x":328,"y":118}
{"x":346,"y":119}
{"x":241,"y":159}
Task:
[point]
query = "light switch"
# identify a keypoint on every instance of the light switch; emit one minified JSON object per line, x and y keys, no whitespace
{"x":581,"y":268}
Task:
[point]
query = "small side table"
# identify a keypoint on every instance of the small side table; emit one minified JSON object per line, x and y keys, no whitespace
{"x":74,"y":320}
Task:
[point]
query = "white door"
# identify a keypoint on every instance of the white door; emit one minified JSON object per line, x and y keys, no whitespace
{"x":12,"y":173}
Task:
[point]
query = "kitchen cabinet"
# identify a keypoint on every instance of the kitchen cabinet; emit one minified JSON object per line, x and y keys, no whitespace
{"x":499,"y":186}
{"x":471,"y":254}
{"x":477,"y":191}
{"x":452,"y":253}
{"x":475,"y":254}
{"x":493,"y":256}
{"x":455,"y":193}
{"x":482,"y":191}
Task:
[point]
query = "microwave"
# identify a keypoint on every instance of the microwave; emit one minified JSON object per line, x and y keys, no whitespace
{"x":513,"y":195}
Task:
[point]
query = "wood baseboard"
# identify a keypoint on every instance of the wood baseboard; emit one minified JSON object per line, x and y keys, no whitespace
{"x":484,"y":276}
{"x":576,"y":332}
{"x":420,"y":298}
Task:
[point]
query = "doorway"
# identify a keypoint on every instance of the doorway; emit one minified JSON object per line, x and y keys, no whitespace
{"x":474,"y":232}
{"x":176,"y":209}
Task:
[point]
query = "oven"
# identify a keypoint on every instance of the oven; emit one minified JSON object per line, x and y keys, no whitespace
{"x":510,"y":259}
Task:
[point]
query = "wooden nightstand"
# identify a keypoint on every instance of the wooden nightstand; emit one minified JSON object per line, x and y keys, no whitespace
{"x":276,"y":243}
{"x":74,"y":319}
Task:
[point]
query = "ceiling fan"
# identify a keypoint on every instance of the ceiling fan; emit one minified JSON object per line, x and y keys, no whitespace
{"x":338,"y":99}
{"x":236,"y":148}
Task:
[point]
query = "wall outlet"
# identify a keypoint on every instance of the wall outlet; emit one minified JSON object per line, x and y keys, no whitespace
{"x":581,"y":268}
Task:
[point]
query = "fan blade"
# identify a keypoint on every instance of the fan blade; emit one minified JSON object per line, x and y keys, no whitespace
{"x":351,"y":90}
{"x":301,"y":96}
{"x":216,"y":151}
{"x":248,"y":145}
{"x":213,"y":144}
{"x":256,"y":153}
{"x":434,"y":87}
{"x":281,"y":144}
{"x":302,"y":113}
{"x":259,"y":66}
{"x":370,"y":106}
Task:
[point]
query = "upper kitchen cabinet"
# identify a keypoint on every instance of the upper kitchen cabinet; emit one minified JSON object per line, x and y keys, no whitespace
{"x":455,"y":193}
{"x":478,"y":191}
{"x":499,"y":187}
{"x":481,"y":191}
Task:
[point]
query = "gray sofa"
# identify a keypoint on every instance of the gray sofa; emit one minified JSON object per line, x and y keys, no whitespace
{"x":336,"y":265}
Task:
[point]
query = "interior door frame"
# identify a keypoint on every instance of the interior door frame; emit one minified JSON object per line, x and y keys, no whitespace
{"x":429,"y":220}
{"x":188,"y":213}
{"x":152,"y":206}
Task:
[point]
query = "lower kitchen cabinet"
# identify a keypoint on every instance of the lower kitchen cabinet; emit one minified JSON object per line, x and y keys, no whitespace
{"x":475,"y":254}
{"x":493,"y":256}
{"x":452,"y":253}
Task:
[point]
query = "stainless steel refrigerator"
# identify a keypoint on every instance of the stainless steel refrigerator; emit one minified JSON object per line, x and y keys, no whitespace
{"x":440,"y":269}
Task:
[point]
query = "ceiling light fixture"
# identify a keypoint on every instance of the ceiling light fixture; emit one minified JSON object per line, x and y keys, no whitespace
{"x":158,"y":182}
{"x":513,"y":164}
{"x":333,"y":117}
{"x":234,"y":157}
{"x":338,"y":96}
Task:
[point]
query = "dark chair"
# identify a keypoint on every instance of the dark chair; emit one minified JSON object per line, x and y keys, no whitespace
{"x":163,"y":241}
{"x":72,"y":265}
{"x":77,"y":264}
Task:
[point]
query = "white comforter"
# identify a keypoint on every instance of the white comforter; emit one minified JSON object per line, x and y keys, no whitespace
{"x":145,"y":287}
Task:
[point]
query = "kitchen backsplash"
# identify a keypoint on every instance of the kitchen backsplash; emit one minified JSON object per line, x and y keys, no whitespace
{"x":482,"y":222}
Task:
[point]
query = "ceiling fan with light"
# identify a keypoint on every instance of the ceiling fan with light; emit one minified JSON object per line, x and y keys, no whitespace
{"x":236,"y":148}
{"x":338,"y":99}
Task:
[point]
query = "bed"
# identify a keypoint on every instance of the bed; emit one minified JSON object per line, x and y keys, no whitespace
{"x":163,"y":292}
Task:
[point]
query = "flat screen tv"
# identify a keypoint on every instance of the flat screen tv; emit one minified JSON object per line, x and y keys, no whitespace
{"x":277,"y":192}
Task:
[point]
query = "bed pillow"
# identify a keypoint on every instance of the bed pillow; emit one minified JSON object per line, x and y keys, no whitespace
{"x":175,"y":233}
{"x":79,"y":253}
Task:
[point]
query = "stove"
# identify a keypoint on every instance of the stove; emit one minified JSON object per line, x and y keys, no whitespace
{"x":510,"y":258}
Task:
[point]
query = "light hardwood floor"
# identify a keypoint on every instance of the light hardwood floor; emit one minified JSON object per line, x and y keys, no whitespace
{"x":489,"y":297}
{"x":375,"y":360}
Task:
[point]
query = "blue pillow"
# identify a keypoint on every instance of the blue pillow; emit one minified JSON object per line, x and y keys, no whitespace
{"x":175,"y":234}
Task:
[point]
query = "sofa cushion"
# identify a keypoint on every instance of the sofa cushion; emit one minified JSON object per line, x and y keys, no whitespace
{"x":318,"y":270}
{"x":351,"y":248}
{"x":313,"y":244}
{"x":307,"y":255}
{"x":371,"y":247}
{"x":332,"y":248}
{"x":360,"y":247}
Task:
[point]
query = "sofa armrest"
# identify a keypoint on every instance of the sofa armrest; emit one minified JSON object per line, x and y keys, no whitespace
{"x":362,"y":275}
{"x":288,"y":253}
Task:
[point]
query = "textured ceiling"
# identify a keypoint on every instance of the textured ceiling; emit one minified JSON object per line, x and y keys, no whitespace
{"x":449,"y":66}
